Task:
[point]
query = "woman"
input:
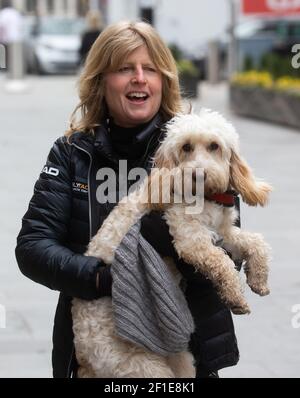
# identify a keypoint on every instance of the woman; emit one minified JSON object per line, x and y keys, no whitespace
{"x":128,"y":90}
{"x":95,"y":26}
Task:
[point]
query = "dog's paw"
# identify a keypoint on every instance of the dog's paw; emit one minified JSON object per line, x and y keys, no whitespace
{"x":240,"y":309}
{"x":261,"y":290}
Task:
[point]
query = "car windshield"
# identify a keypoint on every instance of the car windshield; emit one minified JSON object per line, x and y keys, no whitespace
{"x":62,"y":26}
{"x":280,"y":28}
{"x":248,"y":28}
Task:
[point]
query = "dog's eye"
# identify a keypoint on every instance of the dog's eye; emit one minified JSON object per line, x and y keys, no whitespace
{"x":187,"y":148}
{"x":213,"y":147}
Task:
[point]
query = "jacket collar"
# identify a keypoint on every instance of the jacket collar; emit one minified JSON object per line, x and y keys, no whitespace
{"x":103,"y":144}
{"x":100,"y":141}
{"x":83,"y":140}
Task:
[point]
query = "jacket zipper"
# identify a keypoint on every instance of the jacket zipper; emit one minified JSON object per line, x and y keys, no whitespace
{"x":89,"y":185}
{"x":69,"y":373}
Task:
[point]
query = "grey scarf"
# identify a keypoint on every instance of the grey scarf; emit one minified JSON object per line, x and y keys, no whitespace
{"x":149,"y":307}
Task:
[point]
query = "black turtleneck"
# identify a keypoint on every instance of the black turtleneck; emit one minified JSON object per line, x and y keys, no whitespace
{"x":129,"y":143}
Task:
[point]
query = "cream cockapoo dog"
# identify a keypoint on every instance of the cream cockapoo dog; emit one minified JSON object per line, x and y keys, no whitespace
{"x":210,"y":143}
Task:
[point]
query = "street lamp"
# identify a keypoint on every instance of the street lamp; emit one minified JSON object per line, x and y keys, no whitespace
{"x":232,"y":49}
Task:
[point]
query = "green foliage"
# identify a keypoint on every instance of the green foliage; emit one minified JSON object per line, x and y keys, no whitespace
{"x":187,"y":68}
{"x":248,"y":63}
{"x":176,"y":52}
{"x":278,"y":65}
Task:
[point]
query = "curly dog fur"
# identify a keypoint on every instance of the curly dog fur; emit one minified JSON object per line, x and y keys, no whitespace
{"x":205,"y":141}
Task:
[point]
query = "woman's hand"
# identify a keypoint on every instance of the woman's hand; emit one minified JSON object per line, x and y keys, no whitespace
{"x":104,"y":281}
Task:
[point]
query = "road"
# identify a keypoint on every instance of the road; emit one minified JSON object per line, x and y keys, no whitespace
{"x":30,"y":122}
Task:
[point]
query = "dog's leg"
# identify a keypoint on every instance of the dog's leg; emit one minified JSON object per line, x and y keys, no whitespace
{"x":182,"y":364}
{"x":197,"y":249}
{"x":142,"y":365}
{"x":102,"y":354}
{"x":256,"y":252}
{"x":148,"y":369}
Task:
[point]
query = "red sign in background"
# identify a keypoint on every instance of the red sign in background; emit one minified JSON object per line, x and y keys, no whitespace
{"x":271,"y":7}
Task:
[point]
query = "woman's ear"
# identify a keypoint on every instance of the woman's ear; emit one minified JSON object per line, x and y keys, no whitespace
{"x":243,"y":181}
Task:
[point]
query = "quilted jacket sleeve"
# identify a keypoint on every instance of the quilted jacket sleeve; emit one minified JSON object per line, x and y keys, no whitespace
{"x":41,"y":252}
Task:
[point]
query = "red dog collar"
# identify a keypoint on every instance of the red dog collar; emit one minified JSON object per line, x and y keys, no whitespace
{"x":226,"y":199}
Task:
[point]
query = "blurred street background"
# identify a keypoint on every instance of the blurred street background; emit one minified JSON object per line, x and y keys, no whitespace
{"x":241,"y":61}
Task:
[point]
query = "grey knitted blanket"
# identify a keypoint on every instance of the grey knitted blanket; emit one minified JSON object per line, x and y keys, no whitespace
{"x":150,"y":309}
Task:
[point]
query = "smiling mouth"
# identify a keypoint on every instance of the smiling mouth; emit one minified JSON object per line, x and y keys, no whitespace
{"x":137,"y":98}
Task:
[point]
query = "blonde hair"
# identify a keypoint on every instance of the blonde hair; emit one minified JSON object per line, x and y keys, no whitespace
{"x":108,"y":53}
{"x":94,"y":19}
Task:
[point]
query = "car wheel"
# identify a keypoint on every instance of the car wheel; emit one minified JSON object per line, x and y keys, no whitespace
{"x":37,"y":68}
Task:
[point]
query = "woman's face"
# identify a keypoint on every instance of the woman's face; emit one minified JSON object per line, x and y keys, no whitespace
{"x":133,"y":93}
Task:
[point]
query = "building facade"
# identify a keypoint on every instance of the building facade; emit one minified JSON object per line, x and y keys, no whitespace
{"x":190,"y":24}
{"x":58,"y":7}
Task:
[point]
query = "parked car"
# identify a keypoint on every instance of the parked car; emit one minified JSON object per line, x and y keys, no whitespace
{"x":52,"y":44}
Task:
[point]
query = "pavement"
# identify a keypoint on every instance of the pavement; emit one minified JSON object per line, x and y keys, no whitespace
{"x":269,"y":338}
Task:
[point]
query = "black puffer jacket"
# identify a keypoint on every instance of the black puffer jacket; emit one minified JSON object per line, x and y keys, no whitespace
{"x":64,"y":214}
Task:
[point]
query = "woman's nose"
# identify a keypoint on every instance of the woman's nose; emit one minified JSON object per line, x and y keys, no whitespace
{"x":139,"y":76}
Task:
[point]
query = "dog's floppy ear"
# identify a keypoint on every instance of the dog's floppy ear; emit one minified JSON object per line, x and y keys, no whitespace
{"x":242,"y":179}
{"x":163,"y":159}
{"x":160,"y":188}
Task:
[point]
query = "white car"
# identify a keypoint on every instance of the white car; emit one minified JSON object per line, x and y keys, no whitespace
{"x":52,"y":44}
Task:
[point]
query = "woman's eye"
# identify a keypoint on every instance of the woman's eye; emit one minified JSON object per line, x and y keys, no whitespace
{"x":150,"y":69}
{"x":187,"y":148}
{"x":125,"y":69}
{"x":213,"y":147}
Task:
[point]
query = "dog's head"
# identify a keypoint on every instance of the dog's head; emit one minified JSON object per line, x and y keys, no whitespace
{"x":209,"y":142}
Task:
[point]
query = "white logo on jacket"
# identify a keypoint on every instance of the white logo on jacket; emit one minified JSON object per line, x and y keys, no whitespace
{"x":51,"y":171}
